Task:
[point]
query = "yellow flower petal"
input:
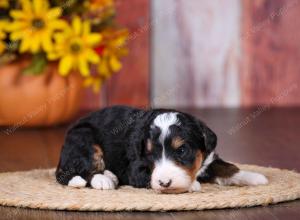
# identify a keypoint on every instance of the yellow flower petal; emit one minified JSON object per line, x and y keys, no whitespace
{"x":65,"y":65}
{"x":47,"y":43}
{"x":76,"y":24}
{"x":3,"y":25}
{"x":17,"y":25}
{"x":120,"y":41}
{"x":26,"y":5}
{"x":17,"y":35}
{"x":58,"y":24}
{"x":25,"y":45}
{"x":115,"y":64}
{"x":97,"y":85}
{"x":2,"y":35}
{"x":92,"y":56}
{"x":17,"y":14}
{"x":93,"y":39}
{"x":60,"y":37}
{"x":88,"y":82}
{"x":53,"y":13}
{"x":104,"y":69}
{"x":86,"y":28}
{"x":52,"y":55}
{"x":38,"y":6}
{"x":2,"y":47}
{"x":83,"y":67}
{"x":35,"y":43}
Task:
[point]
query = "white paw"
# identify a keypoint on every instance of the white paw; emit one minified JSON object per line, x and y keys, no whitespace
{"x":195,"y":187}
{"x":112,"y":176}
{"x":243,"y":178}
{"x":77,"y":181}
{"x":257,"y":179}
{"x":100,"y":181}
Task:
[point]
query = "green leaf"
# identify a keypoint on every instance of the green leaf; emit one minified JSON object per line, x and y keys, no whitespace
{"x":38,"y":64}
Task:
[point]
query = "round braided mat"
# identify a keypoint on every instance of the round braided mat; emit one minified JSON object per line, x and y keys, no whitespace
{"x":38,"y":189}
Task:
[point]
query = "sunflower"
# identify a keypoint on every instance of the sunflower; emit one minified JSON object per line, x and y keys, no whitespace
{"x":35,"y":24}
{"x":111,"y":51}
{"x":2,"y":36}
{"x":74,"y":48}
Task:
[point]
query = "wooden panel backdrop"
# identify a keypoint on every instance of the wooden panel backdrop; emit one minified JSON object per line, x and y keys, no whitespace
{"x":196,"y":51}
{"x":271,"y":44}
{"x":226,"y":53}
{"x":131,"y":85}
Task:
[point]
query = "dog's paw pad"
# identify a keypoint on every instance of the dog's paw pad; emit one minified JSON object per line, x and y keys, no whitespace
{"x":112,"y":176}
{"x":195,"y":187}
{"x":100,"y":181}
{"x":77,"y":182}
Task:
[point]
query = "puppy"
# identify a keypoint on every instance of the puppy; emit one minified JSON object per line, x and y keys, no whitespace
{"x":166,"y":150}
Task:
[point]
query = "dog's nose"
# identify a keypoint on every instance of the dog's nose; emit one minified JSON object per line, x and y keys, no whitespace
{"x":165,"y":184}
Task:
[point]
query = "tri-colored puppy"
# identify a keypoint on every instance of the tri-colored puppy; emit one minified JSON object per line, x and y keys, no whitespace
{"x":166,"y":150}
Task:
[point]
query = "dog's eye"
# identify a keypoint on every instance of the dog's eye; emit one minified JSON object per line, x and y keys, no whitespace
{"x":181,"y":150}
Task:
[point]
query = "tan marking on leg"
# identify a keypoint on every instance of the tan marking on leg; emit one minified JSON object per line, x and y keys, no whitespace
{"x":149,"y":146}
{"x":98,"y":162}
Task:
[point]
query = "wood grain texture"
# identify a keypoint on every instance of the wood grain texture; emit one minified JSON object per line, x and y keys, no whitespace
{"x":270,"y":35}
{"x":260,"y":142}
{"x":196,"y":52}
{"x":130,"y":86}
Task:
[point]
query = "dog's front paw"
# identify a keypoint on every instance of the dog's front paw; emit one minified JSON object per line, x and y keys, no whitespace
{"x":111,"y":175}
{"x":100,"y":181}
{"x":195,"y":187}
{"x":77,"y":182}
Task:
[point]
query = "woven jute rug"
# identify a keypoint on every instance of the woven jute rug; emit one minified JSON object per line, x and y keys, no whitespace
{"x":38,"y":189}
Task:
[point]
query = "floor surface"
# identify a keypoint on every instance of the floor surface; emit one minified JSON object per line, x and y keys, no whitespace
{"x":262,"y":136}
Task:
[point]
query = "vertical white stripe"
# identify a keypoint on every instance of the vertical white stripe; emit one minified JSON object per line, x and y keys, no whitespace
{"x":164,"y":121}
{"x":208,"y":160}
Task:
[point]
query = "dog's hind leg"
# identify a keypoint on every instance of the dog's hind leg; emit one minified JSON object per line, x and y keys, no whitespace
{"x":224,"y":173}
{"x":101,"y":178}
{"x":82,"y":161}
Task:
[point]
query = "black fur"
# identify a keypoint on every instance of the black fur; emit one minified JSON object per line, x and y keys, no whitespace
{"x":122,"y":133}
{"x":218,"y":168}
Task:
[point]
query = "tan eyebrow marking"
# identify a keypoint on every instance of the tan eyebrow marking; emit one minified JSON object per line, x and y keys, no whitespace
{"x":177,"y":142}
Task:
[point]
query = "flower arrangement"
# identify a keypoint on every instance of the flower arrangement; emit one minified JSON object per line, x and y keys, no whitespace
{"x":78,"y":35}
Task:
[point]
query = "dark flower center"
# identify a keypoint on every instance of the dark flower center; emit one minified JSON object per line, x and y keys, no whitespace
{"x":75,"y":48}
{"x":38,"y":23}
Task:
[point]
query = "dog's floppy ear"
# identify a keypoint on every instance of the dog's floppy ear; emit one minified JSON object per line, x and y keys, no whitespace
{"x":210,"y":138}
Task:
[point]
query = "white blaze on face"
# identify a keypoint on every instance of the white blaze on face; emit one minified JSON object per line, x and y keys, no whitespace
{"x":166,"y":170}
{"x":164,"y":121}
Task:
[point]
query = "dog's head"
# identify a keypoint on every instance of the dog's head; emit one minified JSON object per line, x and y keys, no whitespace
{"x":177,"y":145}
